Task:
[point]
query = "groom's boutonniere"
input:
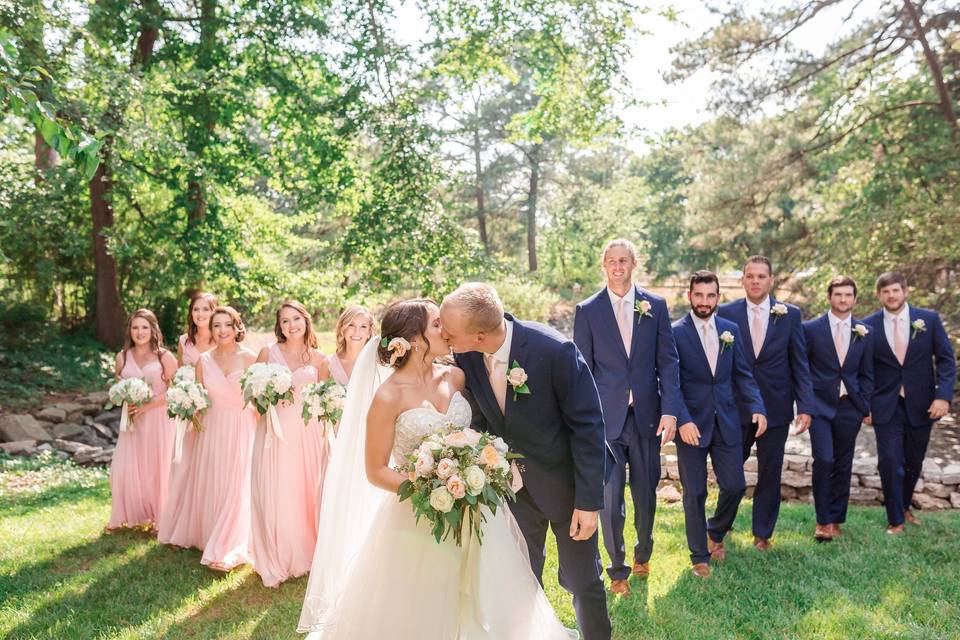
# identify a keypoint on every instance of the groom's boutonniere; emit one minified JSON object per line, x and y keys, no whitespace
{"x":726,"y":340}
{"x":778,"y":311}
{"x":643,"y":308}
{"x":918,"y":326}
{"x":517,"y":378}
{"x":860,"y":331}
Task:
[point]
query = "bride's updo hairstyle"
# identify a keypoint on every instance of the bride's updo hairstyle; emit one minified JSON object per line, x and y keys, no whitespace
{"x":406,"y":319}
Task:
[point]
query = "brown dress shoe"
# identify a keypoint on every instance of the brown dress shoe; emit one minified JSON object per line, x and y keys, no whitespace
{"x":912,"y":519}
{"x":717,"y":552}
{"x":641,"y":569}
{"x":895,"y":530}
{"x":620,"y":587}
{"x":762,"y":544}
{"x":836,"y":530}
{"x":823,"y":533}
{"x":701,"y":570}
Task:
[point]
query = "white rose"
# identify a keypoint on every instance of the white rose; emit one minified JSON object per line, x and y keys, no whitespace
{"x":473,"y":437}
{"x":475,"y":479}
{"x":779,"y":309}
{"x":644,"y":306}
{"x":517,"y":377}
{"x":727,"y":337}
{"x":424,"y":464}
{"x":500,"y":445}
{"x":441,"y":500}
{"x":446,"y":468}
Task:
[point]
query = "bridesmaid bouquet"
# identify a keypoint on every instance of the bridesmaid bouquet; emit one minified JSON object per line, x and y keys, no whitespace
{"x":186,"y":399}
{"x":126,"y":392}
{"x":451,"y":474}
{"x":185,"y":373}
{"x":323,"y":400}
{"x":266,"y":385}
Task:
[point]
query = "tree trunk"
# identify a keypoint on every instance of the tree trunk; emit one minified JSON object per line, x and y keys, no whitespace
{"x":533,"y":158}
{"x":44,"y":157}
{"x":478,"y":191}
{"x":203,"y":111}
{"x":108,"y":310}
{"x":933,"y":62}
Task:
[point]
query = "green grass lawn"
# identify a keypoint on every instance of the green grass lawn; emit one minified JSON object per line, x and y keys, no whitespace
{"x":61,"y":577}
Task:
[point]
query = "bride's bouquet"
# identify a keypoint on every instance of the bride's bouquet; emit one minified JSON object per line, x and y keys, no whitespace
{"x":126,"y":392}
{"x":266,"y":385}
{"x":323,"y":400}
{"x":186,"y":399}
{"x":454,"y":472}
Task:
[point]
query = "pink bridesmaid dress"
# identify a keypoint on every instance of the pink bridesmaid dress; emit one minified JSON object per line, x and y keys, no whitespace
{"x":286,"y":482}
{"x":140,"y":471}
{"x":337,"y":372}
{"x":216,"y":495}
{"x":175,"y":515}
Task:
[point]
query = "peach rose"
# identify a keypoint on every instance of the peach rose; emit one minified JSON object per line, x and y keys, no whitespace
{"x":456,"y":486}
{"x":489,"y":457}
{"x":446,"y":468}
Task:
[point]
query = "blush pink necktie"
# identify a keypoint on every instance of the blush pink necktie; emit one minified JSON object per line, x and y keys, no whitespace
{"x":756,"y":331}
{"x":899,"y":344}
{"x":838,"y":342}
{"x":623,"y":321}
{"x":711,"y":347}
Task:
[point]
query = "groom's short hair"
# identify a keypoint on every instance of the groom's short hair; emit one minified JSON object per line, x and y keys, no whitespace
{"x":619,"y":242}
{"x":481,"y":304}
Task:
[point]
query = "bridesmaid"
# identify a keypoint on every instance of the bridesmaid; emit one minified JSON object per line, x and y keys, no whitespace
{"x":287,"y":474}
{"x":140,"y":469}
{"x":354,"y":328}
{"x":215,"y":515}
{"x":197,"y":339}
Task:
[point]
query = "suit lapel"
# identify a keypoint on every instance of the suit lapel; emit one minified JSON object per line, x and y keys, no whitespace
{"x":518,"y":354}
{"x":638,"y":295}
{"x":605,"y":305}
{"x":484,"y":392}
{"x":883,"y":345}
{"x":909,"y":334}
{"x":825,"y":330}
{"x":743,"y":321}
{"x":771,"y":320}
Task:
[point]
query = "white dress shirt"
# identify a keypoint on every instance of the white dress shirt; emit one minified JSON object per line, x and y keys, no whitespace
{"x":845,"y":336}
{"x":497,"y":364}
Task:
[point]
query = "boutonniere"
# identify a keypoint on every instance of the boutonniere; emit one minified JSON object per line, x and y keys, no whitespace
{"x":517,"y":378}
{"x":726,"y":340}
{"x":918,"y":326}
{"x":778,"y":310}
{"x":860,"y":331}
{"x":643,"y":308}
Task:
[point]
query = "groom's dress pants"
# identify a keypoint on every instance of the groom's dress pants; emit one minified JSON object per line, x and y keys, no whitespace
{"x":643,"y":456}
{"x":581,"y":571}
{"x":728,"y":468}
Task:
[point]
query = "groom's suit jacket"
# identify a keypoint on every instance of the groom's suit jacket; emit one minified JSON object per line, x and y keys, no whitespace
{"x":709,"y":399}
{"x":928,"y":372}
{"x":557,"y":427}
{"x":651,"y":371}
{"x":780,"y":369}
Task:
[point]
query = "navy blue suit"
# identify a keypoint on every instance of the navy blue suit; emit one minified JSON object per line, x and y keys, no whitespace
{"x":558,"y":428}
{"x":709,"y":402}
{"x":836,"y":421}
{"x":902,"y":424}
{"x":651,"y":373}
{"x":783,"y":376}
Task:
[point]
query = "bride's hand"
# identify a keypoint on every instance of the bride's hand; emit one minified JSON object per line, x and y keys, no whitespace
{"x":583,"y":524}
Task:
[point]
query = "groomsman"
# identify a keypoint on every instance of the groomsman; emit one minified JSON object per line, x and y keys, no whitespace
{"x":914,"y":374}
{"x":777,"y":355}
{"x":712,"y":369}
{"x":840,"y":352}
{"x":624,"y":334}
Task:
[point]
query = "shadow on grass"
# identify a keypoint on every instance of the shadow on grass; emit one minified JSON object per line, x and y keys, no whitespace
{"x":105,"y":586}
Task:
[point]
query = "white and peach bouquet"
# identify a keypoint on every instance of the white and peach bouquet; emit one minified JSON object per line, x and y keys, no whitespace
{"x":186,"y":373}
{"x":452,"y":474}
{"x":266,"y":385}
{"x":323,"y":400}
{"x":127,"y":392}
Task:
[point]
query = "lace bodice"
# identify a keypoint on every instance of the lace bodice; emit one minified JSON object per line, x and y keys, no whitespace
{"x":413,"y":425}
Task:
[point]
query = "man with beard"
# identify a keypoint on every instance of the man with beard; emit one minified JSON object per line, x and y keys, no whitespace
{"x":712,"y":368}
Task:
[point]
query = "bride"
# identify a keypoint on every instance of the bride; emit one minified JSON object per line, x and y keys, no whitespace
{"x":376,"y":571}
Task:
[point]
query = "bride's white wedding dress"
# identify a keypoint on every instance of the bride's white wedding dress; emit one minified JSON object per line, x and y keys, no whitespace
{"x":403,"y":584}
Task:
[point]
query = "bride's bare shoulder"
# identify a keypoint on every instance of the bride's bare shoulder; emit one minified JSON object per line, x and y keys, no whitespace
{"x":454,"y":375}
{"x":389,"y":394}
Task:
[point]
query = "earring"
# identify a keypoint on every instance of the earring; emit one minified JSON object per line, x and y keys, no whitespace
{"x":416,"y":348}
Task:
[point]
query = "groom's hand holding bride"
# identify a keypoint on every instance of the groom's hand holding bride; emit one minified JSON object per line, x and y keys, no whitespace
{"x":583,"y":524}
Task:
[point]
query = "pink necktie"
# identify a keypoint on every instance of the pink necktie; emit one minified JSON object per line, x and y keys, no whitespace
{"x":756,"y":331}
{"x":498,"y":380}
{"x":899,"y":344}
{"x":710,"y":346}
{"x":838,"y":342}
{"x":623,"y":321}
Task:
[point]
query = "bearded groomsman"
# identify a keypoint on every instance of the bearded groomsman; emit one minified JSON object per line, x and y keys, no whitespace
{"x":840,"y":352}
{"x":713,"y":370}
{"x":624,"y":334}
{"x":914,"y":374}
{"x":777,"y":355}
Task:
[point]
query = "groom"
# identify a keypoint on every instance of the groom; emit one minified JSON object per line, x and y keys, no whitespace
{"x":531,"y":386}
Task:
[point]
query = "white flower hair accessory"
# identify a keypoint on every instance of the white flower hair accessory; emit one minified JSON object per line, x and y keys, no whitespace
{"x":397,"y":347}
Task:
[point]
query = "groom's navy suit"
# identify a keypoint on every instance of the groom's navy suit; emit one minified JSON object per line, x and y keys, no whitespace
{"x":782,"y":373}
{"x":709,"y":401}
{"x":558,"y":429}
{"x":901,"y":422}
{"x":650,"y":373}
